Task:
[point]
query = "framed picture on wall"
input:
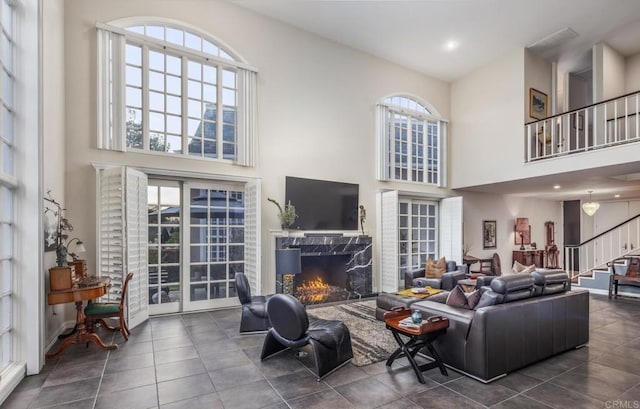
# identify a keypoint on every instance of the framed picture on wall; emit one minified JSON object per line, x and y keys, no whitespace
{"x":489,"y":234}
{"x":537,"y":104}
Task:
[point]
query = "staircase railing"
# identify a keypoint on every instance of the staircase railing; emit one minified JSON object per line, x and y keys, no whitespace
{"x":611,"y":122}
{"x":617,"y":242}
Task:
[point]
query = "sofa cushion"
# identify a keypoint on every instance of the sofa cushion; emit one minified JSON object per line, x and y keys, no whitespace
{"x":550,"y":281}
{"x":435,"y":269}
{"x":440,"y":297}
{"x":427,"y":282}
{"x":513,"y":288}
{"x":488,"y":298}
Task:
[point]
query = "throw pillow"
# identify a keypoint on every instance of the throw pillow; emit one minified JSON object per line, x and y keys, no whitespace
{"x":517,"y":267}
{"x":473,"y":299}
{"x":529,"y":269}
{"x":457,"y":298}
{"x":435,"y":269}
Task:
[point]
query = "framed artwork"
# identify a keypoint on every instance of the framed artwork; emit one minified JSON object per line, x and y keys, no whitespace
{"x":489,"y":234}
{"x":537,"y":104}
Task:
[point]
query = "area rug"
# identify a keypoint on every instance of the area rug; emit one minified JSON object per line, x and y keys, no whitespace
{"x":370,"y":340}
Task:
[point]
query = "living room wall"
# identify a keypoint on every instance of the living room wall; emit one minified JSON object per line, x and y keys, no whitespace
{"x":504,"y":209}
{"x":316,"y":103}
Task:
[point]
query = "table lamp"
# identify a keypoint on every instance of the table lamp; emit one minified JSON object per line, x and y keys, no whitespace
{"x":288,"y":264}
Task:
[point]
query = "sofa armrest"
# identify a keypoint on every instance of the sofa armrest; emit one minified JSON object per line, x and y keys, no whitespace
{"x":450,"y":279}
{"x":410,"y":275}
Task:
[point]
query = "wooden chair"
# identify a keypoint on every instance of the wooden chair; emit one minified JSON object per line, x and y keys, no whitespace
{"x":97,"y":312}
{"x":631,"y":277}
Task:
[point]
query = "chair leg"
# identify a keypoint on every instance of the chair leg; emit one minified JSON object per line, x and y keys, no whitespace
{"x":124,"y":329}
{"x":271,"y":346}
{"x":107,"y":326}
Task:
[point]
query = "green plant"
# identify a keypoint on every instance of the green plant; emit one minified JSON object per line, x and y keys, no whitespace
{"x":287,"y":215}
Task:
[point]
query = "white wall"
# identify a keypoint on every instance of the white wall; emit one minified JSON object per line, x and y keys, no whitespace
{"x":504,"y":209}
{"x":537,"y":75}
{"x":487,"y":118}
{"x":608,"y":73}
{"x":54,"y":141}
{"x":316,"y":104}
{"x":632,"y":73}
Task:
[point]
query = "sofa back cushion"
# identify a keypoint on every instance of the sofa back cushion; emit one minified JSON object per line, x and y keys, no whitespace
{"x":513,"y":287}
{"x":550,"y":281}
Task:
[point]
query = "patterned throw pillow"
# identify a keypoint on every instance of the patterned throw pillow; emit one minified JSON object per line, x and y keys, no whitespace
{"x":521,"y":269}
{"x":458,"y":298}
{"x":435,"y":269}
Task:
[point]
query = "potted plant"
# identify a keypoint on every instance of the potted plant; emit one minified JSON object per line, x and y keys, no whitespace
{"x":287,"y":215}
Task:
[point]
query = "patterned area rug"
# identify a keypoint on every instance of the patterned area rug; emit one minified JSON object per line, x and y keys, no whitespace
{"x":370,"y":340}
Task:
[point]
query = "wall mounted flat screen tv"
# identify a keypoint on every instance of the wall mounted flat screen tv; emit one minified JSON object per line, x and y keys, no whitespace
{"x":323,"y":205}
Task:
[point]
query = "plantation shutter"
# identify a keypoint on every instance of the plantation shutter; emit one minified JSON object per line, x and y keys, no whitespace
{"x":382,"y":142}
{"x":136,"y":219}
{"x":450,"y":229}
{"x":122,"y":237}
{"x":252,"y":224}
{"x":389,"y":240}
{"x":246,"y":117}
{"x":111,"y":90}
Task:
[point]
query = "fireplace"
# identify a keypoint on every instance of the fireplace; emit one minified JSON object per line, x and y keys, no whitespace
{"x":334,"y":268}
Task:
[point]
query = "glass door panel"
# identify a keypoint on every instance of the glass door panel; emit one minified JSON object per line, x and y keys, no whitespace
{"x":215,"y":243}
{"x":164,"y":210}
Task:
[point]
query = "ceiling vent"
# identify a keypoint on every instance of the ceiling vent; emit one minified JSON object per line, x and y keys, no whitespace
{"x":553,"y":41}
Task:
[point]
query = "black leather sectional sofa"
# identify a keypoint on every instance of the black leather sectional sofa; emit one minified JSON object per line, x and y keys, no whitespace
{"x":535,"y":317}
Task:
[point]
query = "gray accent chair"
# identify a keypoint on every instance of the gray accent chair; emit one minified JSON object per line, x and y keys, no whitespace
{"x":448,"y":280}
{"x":290,"y":328}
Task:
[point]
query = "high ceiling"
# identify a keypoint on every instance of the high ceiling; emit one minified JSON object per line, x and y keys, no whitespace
{"x":413,"y":33}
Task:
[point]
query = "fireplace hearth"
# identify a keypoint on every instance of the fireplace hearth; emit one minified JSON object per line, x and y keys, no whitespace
{"x":334,"y":268}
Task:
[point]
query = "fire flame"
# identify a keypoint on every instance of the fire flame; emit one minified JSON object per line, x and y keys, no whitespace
{"x":313,"y":292}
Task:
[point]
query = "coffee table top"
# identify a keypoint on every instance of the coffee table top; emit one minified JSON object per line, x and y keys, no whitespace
{"x":392,"y":319}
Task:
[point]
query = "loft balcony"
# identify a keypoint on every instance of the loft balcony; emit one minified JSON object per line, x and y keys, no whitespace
{"x":598,"y":126}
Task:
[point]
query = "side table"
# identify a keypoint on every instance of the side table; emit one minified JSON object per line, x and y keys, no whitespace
{"x":418,"y":338}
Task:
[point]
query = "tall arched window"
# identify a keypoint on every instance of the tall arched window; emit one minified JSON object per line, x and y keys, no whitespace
{"x":411,"y":140}
{"x":165,"y":88}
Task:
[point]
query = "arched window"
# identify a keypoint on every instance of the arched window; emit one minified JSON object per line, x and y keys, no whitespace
{"x":410,"y":143}
{"x":165,"y":88}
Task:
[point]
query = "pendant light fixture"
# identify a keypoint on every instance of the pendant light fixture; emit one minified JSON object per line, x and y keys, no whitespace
{"x":590,"y":208}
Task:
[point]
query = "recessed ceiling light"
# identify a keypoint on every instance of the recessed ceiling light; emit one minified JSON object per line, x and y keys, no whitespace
{"x":451,"y":45}
{"x":616,"y":196}
{"x":556,"y":186}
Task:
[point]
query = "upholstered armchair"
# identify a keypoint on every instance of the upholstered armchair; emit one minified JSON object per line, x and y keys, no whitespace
{"x":254,"y":308}
{"x":487,"y":275}
{"x":416,"y":278}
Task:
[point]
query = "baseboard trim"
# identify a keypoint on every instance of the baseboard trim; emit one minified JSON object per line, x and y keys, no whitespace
{"x":67,"y":325}
{"x":11,"y":378}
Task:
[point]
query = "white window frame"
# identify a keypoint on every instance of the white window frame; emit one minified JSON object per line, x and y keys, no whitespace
{"x":415,"y":110}
{"x":112,"y":39}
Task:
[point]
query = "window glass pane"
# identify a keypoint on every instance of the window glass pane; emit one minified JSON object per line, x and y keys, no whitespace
{"x":133,"y":55}
{"x":174,"y":85}
{"x":156,"y":81}
{"x":156,"y":61}
{"x":193,"y":41}
{"x":7,"y":52}
{"x":155,"y":32}
{"x":175,"y":36}
{"x":134,"y":97}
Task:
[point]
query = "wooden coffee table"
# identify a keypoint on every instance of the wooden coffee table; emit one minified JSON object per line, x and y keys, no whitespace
{"x":418,"y":338}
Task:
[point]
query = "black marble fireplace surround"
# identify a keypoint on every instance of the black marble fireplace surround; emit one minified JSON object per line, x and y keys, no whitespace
{"x":342,"y":263}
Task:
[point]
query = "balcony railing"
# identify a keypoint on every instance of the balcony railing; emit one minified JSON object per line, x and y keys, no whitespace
{"x":608,"y":123}
{"x":617,"y":242}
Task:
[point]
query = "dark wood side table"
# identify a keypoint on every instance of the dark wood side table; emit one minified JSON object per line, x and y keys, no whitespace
{"x":528,"y":257}
{"x":418,"y":339}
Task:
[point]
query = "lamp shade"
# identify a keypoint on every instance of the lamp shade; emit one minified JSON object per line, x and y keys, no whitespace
{"x":590,"y":208}
{"x":288,"y":261}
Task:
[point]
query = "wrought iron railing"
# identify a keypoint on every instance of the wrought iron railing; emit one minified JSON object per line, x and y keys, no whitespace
{"x":612,"y":122}
{"x":597,"y":252}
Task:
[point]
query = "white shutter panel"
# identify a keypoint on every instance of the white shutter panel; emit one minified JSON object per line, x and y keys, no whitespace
{"x":111,"y":238}
{"x":136,"y":247}
{"x":246,"y":117}
{"x":450,"y":228}
{"x":111,"y":90}
{"x":382,"y":142}
{"x":122,"y":237}
{"x":252,"y":236}
{"x":389,"y":240}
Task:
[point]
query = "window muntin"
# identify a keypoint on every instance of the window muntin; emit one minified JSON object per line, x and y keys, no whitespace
{"x":412,"y":136}
{"x":417,"y":233}
{"x":169,"y":94}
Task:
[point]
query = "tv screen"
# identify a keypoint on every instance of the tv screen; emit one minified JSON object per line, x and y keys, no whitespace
{"x":323,"y":205}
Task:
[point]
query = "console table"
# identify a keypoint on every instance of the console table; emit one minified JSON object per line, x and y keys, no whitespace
{"x":528,"y":257}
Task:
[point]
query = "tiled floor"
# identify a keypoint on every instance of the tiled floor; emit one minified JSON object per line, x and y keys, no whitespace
{"x":199,"y":361}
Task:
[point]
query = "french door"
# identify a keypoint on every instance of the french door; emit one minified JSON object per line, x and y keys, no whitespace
{"x":200,"y":235}
{"x":214,"y":243}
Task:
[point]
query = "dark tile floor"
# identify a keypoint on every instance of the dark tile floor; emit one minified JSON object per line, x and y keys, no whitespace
{"x":199,"y":361}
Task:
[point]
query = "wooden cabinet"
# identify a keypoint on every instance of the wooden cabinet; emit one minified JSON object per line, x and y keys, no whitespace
{"x":528,"y":257}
